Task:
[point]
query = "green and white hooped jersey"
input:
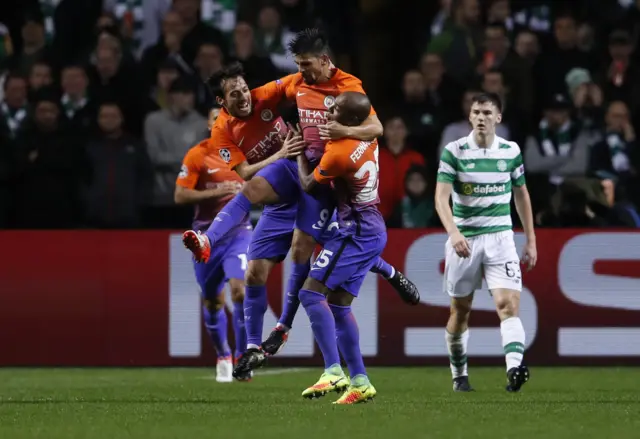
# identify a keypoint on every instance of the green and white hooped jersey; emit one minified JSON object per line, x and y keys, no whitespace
{"x":482,"y":179}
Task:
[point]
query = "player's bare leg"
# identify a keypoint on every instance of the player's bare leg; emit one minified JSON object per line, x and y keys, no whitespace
{"x":255,"y":191}
{"x":255,"y":306}
{"x":302,"y":248}
{"x":513,"y":336}
{"x":457,"y":338}
{"x":215,"y":322}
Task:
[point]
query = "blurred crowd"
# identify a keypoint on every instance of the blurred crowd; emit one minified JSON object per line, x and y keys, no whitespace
{"x":101,"y":99}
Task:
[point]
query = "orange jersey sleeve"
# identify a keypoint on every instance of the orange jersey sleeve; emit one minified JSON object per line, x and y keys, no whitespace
{"x":275,"y":91}
{"x":228,"y":151}
{"x":190,"y":170}
{"x":354,"y":84}
{"x":333,"y":164}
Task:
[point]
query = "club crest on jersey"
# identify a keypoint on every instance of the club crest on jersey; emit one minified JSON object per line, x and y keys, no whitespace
{"x":502,"y":165}
{"x":266,"y":115}
{"x":329,"y":101}
{"x":225,"y":155}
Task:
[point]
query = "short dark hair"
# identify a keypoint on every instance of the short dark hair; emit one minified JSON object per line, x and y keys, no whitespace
{"x":311,"y":40}
{"x":498,"y":25}
{"x":110,"y":103}
{"x":14,"y":75}
{"x":483,"y":98}
{"x":216,"y":81}
{"x":74,"y":66}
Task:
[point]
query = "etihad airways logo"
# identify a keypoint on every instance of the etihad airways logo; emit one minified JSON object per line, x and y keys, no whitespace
{"x":269,"y":143}
{"x":313,"y":117}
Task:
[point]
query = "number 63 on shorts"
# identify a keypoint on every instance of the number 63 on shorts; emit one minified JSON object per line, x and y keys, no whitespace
{"x":493,"y":257}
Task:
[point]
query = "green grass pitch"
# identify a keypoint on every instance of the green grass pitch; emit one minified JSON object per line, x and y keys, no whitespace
{"x":412,"y":403}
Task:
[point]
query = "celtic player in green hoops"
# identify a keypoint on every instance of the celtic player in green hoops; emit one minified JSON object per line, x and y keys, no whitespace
{"x":479,"y":172}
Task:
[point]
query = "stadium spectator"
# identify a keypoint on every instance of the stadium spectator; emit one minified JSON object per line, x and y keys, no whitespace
{"x":50,"y":169}
{"x":561,"y":147}
{"x":416,"y":209}
{"x":34,"y":46}
{"x":512,"y":116}
{"x":459,"y":42}
{"x":79,"y":109}
{"x":395,"y":159}
{"x":41,"y":75}
{"x":586,"y":96}
{"x":168,"y":72}
{"x":273,"y":38}
{"x":14,"y":107}
{"x":612,"y":156}
{"x":208,"y":61}
{"x":113,"y":83}
{"x":169,"y":134}
{"x":169,"y":45}
{"x":516,"y":73}
{"x":527,"y":47}
{"x":196,"y":32}
{"x":120,"y":174}
{"x":619,"y":78}
{"x":563,"y":56}
{"x":258,"y":69}
{"x":424,"y":108}
{"x":499,"y":11}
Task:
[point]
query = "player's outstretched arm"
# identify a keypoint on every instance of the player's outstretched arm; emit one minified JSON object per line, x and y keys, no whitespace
{"x":369,"y":130}
{"x":525,"y":212}
{"x":292,"y":146}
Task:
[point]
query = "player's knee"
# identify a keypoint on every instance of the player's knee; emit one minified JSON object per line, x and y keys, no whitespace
{"x":237,"y":290}
{"x":507,"y":303}
{"x":213,"y":306}
{"x":461,"y":309}
{"x":340,"y":298}
{"x":256,"y":274}
{"x":259,"y":191}
{"x":302,"y":247}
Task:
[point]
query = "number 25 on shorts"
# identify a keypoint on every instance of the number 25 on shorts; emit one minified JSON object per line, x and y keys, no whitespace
{"x":322,"y":260}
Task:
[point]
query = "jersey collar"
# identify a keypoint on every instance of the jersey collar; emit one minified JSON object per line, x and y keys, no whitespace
{"x":471,"y":141}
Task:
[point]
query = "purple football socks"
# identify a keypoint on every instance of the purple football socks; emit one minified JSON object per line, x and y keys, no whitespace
{"x":323,"y":325}
{"x":216,"y":324}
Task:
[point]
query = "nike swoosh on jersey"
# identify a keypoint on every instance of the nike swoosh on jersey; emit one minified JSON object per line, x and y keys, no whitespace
{"x":212,"y":171}
{"x":240,"y":142}
{"x":300,"y":94}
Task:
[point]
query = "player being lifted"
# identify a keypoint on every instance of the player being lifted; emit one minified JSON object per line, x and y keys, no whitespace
{"x":338,"y":272}
{"x":479,"y":172}
{"x":205,"y":181}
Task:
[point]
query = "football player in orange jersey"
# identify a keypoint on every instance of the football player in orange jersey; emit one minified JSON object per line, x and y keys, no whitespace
{"x":205,"y":181}
{"x":350,"y":168}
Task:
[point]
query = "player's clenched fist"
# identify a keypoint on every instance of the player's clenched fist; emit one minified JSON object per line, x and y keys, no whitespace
{"x":460,"y":245}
